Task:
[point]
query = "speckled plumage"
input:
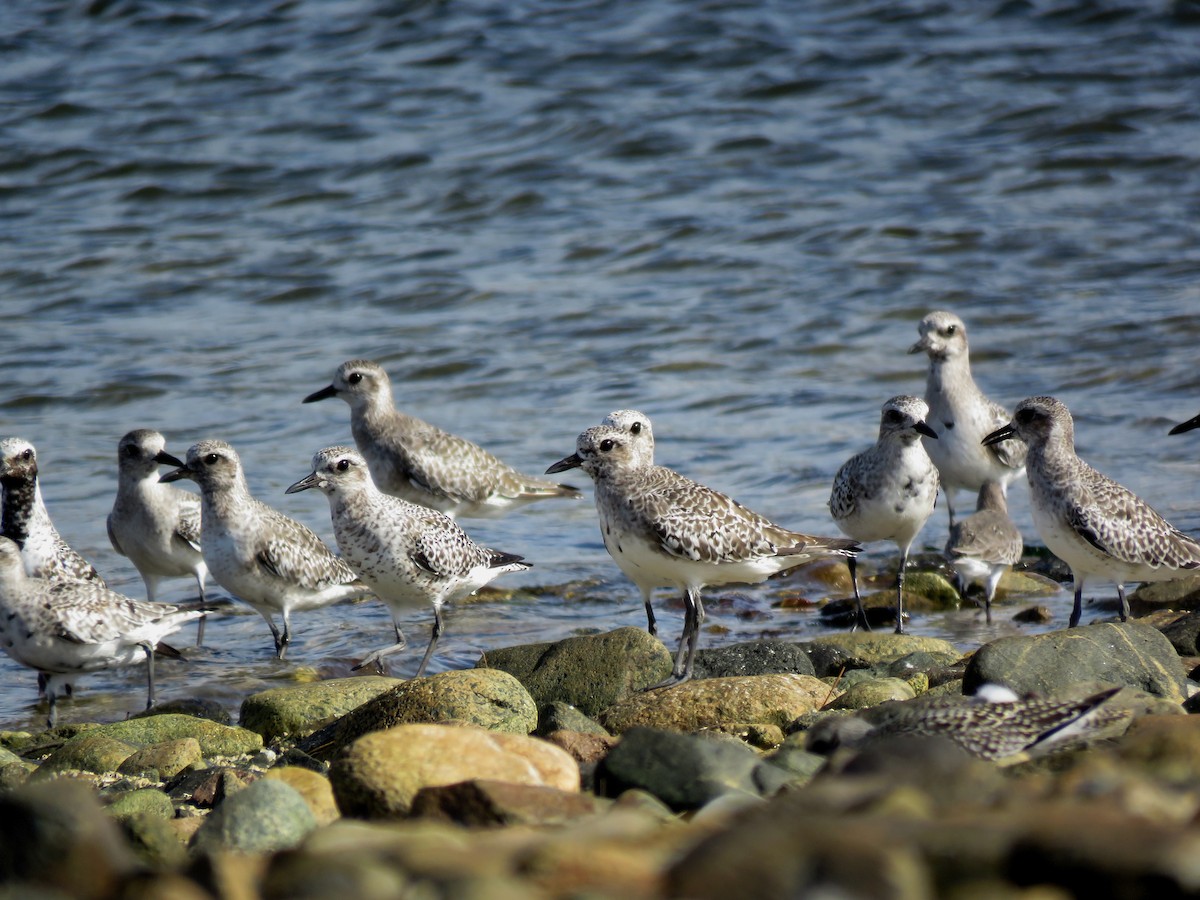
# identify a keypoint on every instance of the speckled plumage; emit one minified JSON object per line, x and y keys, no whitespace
{"x":960,"y":414}
{"x":418,"y":462}
{"x":408,"y":554}
{"x":985,"y":544}
{"x":263,"y":558}
{"x":65,"y":629}
{"x":665,"y":530}
{"x":25,"y":519}
{"x":1093,"y":524}
{"x":1006,"y":732}
{"x":888,"y":491}
{"x":155,"y":525}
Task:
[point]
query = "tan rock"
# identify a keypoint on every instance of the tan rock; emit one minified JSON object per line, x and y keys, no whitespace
{"x":167,"y":758}
{"x":875,"y":647}
{"x":313,"y":787}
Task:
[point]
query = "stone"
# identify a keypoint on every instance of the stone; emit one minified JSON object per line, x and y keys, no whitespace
{"x":685,"y":771}
{"x":89,"y":752}
{"x":1126,"y":653}
{"x":559,"y":716}
{"x":145,"y":801}
{"x":591,"y":672}
{"x":1179,"y":594}
{"x":205,"y":788}
{"x":153,"y":840}
{"x":315,"y":789}
{"x":583,"y":747}
{"x":1034,"y":615}
{"x":864,"y":649}
{"x":379,"y":774}
{"x":753,"y":658}
{"x":1165,"y":747}
{"x":299,"y":710}
{"x":693,"y":705}
{"x":480,"y":802}
{"x":265,"y":817}
{"x":214,"y":739}
{"x":165,"y":760}
{"x":194,"y":706}
{"x":1183,"y":632}
{"x":934,"y":590}
{"x":872,"y":692}
{"x":486,"y":698}
{"x":919,"y":661}
{"x":793,"y":758}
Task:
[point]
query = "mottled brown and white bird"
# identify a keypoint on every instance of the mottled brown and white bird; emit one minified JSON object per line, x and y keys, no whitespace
{"x":984,"y":545}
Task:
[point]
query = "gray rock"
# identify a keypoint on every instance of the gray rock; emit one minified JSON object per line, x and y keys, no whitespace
{"x":299,"y":710}
{"x":1183,"y":634}
{"x":265,"y":817}
{"x":918,"y":661}
{"x":753,"y":658}
{"x":153,"y":840}
{"x":591,"y":672}
{"x":1127,"y":653}
{"x":559,"y":716}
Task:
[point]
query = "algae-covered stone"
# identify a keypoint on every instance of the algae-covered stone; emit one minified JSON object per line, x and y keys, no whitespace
{"x":872,"y":692}
{"x":314,"y":788}
{"x":153,"y":839}
{"x":1126,"y":653}
{"x":268,"y":815}
{"x":379,"y":774}
{"x":590,"y":672}
{"x":934,"y":590}
{"x":872,"y":648}
{"x":559,"y":716}
{"x":214,"y":739}
{"x":167,"y":759}
{"x":299,"y":710}
{"x":146,"y":801}
{"x":488,"y":698}
{"x":693,"y":705}
{"x":90,"y":752}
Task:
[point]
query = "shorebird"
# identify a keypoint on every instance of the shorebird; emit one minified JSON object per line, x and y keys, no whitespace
{"x":960,"y":414}
{"x":665,"y":530}
{"x":888,"y":492}
{"x":25,"y":519}
{"x":64,"y":629}
{"x":1005,"y":732}
{"x":984,"y":545}
{"x":408,"y":554}
{"x":1096,"y":526}
{"x":153,"y":524}
{"x":420,"y":463}
{"x":268,"y":561}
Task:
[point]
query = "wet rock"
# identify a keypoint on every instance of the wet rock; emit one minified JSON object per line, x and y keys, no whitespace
{"x":753,"y":658}
{"x":315,"y":789}
{"x":919,"y":661}
{"x":1048,"y":664}
{"x":267,"y":816}
{"x":480,"y":802}
{"x":214,"y":739}
{"x":934,"y":590}
{"x":591,"y":672}
{"x":165,"y":760}
{"x":299,"y":710}
{"x":487,"y":698}
{"x":195,"y":707}
{"x":864,"y":649}
{"x":90,"y":752}
{"x":559,"y":716}
{"x":685,"y":771}
{"x":1179,"y":594}
{"x":146,"y":801}
{"x":1183,"y":632}
{"x":830,"y":660}
{"x":872,"y":693}
{"x":693,"y":705}
{"x":55,"y":835}
{"x":379,"y":774}
{"x":1034,"y":615}
{"x":153,"y":840}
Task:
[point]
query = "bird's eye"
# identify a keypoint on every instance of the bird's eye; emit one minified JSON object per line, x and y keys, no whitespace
{"x":607,"y":444}
{"x":951,"y":329}
{"x":635,"y":428}
{"x":343,"y":465}
{"x":354,"y":377}
{"x":894,"y":415}
{"x":27,"y":454}
{"x":211,"y":459}
{"x":1025,"y":416}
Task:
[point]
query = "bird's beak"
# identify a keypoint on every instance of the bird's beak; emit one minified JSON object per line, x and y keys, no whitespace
{"x":176,"y":474}
{"x":323,"y":394}
{"x":920,"y":346}
{"x":1186,"y":426}
{"x":164,"y":458}
{"x":1000,"y":434}
{"x":567,"y":462}
{"x":308,"y":481}
{"x":922,"y":428}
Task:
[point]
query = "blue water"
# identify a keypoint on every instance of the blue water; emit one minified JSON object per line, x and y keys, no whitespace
{"x":730,"y":215}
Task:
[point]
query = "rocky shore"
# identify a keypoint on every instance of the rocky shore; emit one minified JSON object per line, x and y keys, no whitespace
{"x":547,"y":771}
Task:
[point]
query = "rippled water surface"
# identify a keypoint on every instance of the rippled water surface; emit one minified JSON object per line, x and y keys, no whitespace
{"x":730,"y":215}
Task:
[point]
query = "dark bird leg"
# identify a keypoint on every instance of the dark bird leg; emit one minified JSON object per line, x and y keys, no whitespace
{"x":1077,"y":610}
{"x":438,"y":627}
{"x":860,"y":614}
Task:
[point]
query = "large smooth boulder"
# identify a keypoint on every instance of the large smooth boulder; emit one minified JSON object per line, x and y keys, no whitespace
{"x":299,"y":710}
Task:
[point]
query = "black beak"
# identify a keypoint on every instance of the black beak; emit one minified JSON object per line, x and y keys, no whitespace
{"x":323,"y":394}
{"x":164,"y":458}
{"x":308,"y":481}
{"x":922,"y":428}
{"x":1000,"y":434}
{"x":1186,"y":426}
{"x":175,"y":475}
{"x":567,"y":462}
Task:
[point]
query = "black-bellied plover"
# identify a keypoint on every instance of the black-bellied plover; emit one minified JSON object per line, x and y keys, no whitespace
{"x":25,"y":520}
{"x":665,"y":530}
{"x":420,"y":463}
{"x":64,"y":629}
{"x":410,"y":555}
{"x":888,"y":492}
{"x":1006,"y":732}
{"x":153,"y":524}
{"x":984,"y":545}
{"x":960,"y":414}
{"x":1097,"y":527}
{"x":640,"y":433}
{"x":268,"y":561}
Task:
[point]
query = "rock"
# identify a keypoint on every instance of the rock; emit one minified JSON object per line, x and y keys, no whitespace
{"x":863,"y":649}
{"x":1034,"y":615}
{"x":165,"y":760}
{"x":205,"y":788}
{"x":488,"y":803}
{"x":90,"y":752}
{"x":872,"y":693}
{"x":559,"y":716}
{"x":693,"y":705}
{"x":146,"y":801}
{"x":55,"y":834}
{"x":267,"y":816}
{"x":153,"y":840}
{"x":919,"y":661}
{"x":760,"y":736}
{"x":685,"y":771}
{"x":793,"y":758}
{"x":934,"y":591}
{"x":487,"y":698}
{"x":214,"y":739}
{"x":1180,"y":594}
{"x":830,"y":660}
{"x":753,"y":658}
{"x":379,"y":774}
{"x":1165,"y":747}
{"x":299,"y":710}
{"x":584,"y":748}
{"x":591,"y":672}
{"x":315,"y":789}
{"x":1047,"y":664}
{"x":194,"y":707}
{"x":1183,"y":633}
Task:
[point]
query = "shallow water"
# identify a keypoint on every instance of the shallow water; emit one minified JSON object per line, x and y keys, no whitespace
{"x":730,"y":215}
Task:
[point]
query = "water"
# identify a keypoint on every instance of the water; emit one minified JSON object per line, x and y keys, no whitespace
{"x":730,"y":215}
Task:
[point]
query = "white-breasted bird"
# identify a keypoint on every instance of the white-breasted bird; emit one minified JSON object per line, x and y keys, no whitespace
{"x":984,"y":545}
